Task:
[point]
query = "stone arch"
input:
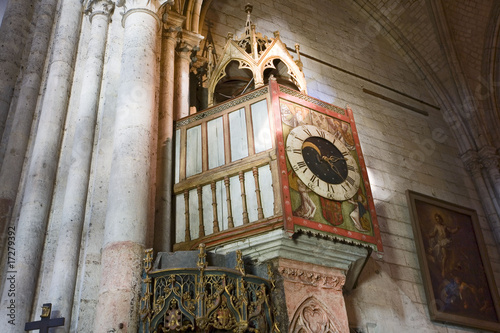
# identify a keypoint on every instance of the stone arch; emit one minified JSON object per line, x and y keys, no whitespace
{"x":491,"y":74}
{"x":312,"y":316}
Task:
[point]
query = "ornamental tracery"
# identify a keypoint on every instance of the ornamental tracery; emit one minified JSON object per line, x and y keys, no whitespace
{"x":258,"y":57}
{"x":313,"y":317}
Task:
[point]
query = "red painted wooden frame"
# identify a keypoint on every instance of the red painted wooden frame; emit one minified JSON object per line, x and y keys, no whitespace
{"x":291,"y":222}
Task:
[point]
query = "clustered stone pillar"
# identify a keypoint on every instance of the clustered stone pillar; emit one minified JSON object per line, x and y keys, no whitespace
{"x":17,"y":140}
{"x":65,"y":270}
{"x":16,"y":23}
{"x":130,"y":181}
{"x":163,"y":224}
{"x":42,"y":169}
{"x":489,"y":159}
{"x":473,"y":165}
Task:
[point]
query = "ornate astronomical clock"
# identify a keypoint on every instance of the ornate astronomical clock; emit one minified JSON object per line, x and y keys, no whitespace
{"x":323,"y":175}
{"x":264,"y":158}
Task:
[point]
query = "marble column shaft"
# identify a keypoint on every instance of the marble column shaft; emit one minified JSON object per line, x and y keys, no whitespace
{"x":163,"y":223}
{"x":17,"y":141}
{"x":130,"y":181}
{"x":41,"y":172}
{"x":66,"y":259}
{"x":14,"y":32}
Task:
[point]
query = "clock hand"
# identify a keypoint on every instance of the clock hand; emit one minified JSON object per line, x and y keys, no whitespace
{"x":331,"y":160}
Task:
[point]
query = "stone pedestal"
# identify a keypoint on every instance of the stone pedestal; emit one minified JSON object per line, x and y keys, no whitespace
{"x":312,"y":273}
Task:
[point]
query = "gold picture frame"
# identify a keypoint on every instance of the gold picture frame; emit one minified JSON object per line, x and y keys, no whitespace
{"x":456,"y":271}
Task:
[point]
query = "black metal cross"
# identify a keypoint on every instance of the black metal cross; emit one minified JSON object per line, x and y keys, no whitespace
{"x":45,"y":323}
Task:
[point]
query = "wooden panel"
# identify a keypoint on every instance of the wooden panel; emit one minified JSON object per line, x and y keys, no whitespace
{"x":177,"y":156}
{"x":208,"y":216}
{"x":266,"y":190}
{"x":260,"y":126}
{"x":193,"y":151}
{"x":251,"y":196}
{"x":236,"y":205}
{"x":238,"y":134}
{"x":193,"y":214}
{"x":179,"y":218}
{"x":215,"y":139}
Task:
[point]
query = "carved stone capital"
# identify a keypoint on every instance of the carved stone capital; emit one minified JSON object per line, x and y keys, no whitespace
{"x":190,"y":39}
{"x":472,"y":162}
{"x":316,"y":279}
{"x":150,"y":7}
{"x":173,"y":20}
{"x":171,"y":33}
{"x":99,"y":7}
{"x":489,"y":157}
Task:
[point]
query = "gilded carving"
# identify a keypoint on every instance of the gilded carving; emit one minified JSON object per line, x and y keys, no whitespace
{"x":205,"y":298}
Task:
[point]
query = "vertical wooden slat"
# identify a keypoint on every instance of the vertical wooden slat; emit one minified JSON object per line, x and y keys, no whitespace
{"x":260,"y":211}
{"x":243,"y":197}
{"x":200,"y":211}
{"x":187,"y":236}
{"x":182,"y":162}
{"x":230,"y":222}
{"x":250,"y":139}
{"x":214,"y":207}
{"x":204,"y":147}
{"x":227,"y":140}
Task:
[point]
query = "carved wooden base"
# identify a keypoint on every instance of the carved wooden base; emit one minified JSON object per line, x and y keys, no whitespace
{"x":313,"y":296}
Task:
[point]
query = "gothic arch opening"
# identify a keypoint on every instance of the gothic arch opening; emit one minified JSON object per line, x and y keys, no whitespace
{"x":237,"y":81}
{"x":281,"y":72}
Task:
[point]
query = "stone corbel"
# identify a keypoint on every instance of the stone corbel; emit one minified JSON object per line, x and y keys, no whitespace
{"x":188,"y":43}
{"x":472,"y":163}
{"x":99,"y":7}
{"x":172,"y":24}
{"x":489,"y":159}
{"x":190,"y":40}
{"x":173,"y":20}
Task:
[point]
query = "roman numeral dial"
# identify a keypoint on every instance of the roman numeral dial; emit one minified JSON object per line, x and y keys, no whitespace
{"x":322,"y":162}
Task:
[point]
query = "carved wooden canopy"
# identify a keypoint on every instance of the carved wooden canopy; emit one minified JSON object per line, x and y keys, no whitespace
{"x":247,"y":63}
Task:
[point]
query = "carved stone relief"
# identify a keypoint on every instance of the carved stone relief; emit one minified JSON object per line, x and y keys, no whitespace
{"x":313,"y":317}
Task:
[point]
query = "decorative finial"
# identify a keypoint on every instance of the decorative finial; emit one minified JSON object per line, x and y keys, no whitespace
{"x":240,"y":266}
{"x":298,"y":62}
{"x":148,"y":260}
{"x":248,"y":8}
{"x":202,"y":257}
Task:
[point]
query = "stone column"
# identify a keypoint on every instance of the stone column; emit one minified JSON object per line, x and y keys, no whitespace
{"x":41,"y":172}
{"x":163,"y":223}
{"x":473,"y":165}
{"x":130,"y":180}
{"x":17,"y":141}
{"x":13,"y":35}
{"x":63,"y":281}
{"x":189,"y":41}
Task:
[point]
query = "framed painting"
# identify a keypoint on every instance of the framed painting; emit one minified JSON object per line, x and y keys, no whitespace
{"x":456,"y":271}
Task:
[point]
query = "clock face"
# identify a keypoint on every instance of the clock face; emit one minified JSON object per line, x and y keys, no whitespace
{"x":322,"y":162}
